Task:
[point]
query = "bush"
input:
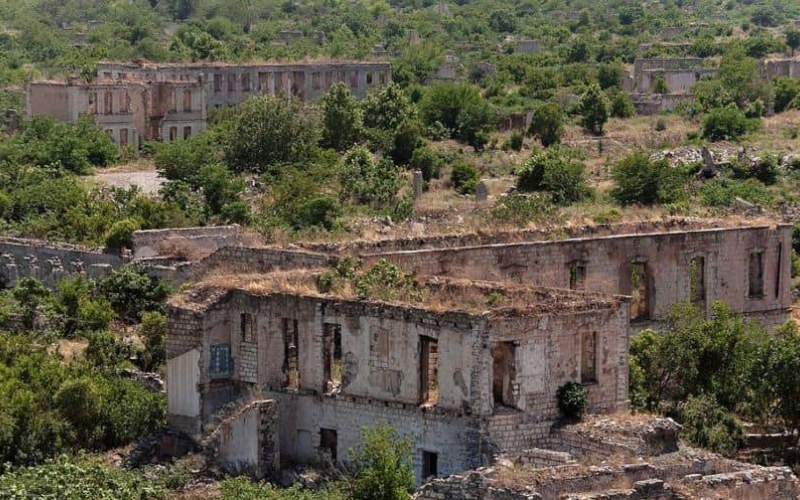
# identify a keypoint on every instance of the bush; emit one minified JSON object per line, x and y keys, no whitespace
{"x":464,"y":177}
{"x":708,"y":425}
{"x":132,"y":292}
{"x":383,"y":462}
{"x":520,"y":210}
{"x":594,"y":109}
{"x":766,"y":170}
{"x":621,"y":105}
{"x":726,"y":123}
{"x":572,"y":399}
{"x":120,"y":235}
{"x":516,"y":140}
{"x":427,"y":161}
{"x":723,"y":192}
{"x":554,"y":171}
{"x":320,"y":212}
{"x":547,"y":123}
{"x":367,"y":180}
{"x":153,"y":331}
{"x":638,"y":180}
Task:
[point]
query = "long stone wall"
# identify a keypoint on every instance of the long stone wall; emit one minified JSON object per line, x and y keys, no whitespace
{"x":49,"y":262}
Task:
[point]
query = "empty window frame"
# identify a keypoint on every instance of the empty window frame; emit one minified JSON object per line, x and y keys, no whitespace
{"x":125,"y":103}
{"x":369,"y":78}
{"x":123,"y":137}
{"x":756,"y":275}
{"x":247,"y":327}
{"x":640,"y":292}
{"x":187,"y":132}
{"x":231,"y":83}
{"x":503,"y":373}
{"x":291,"y":354}
{"x":187,"y":100}
{"x":245,"y":82}
{"x":173,"y":133}
{"x":778,"y":268}
{"x":217,"y":83}
{"x":108,"y":103}
{"x":328,"y":443}
{"x":588,"y":357}
{"x":428,"y":371}
{"x":697,"y":280}
{"x":430,"y":464}
{"x":221,"y":366}
{"x":331,"y":356}
{"x":577,"y":275}
{"x":93,"y":103}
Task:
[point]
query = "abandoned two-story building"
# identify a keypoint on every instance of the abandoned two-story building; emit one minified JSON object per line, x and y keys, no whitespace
{"x":468,"y":369}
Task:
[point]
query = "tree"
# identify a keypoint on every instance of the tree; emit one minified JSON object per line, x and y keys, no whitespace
{"x":392,"y":123}
{"x":610,"y":75}
{"x":383,"y":462}
{"x":460,"y":108}
{"x":366,"y":180}
{"x":552,"y":170}
{"x":267,"y":132}
{"x":593,"y":108}
{"x":793,"y":39}
{"x":341,"y":122}
{"x":547,"y":123}
{"x":638,"y":180}
{"x":725,"y":123}
{"x":464,"y":177}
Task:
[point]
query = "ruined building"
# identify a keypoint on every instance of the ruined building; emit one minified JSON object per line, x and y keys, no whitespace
{"x":470,"y":367}
{"x":130,"y":112}
{"x":136,"y":102}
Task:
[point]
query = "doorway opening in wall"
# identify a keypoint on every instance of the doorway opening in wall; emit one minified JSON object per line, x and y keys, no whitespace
{"x":503,"y":373}
{"x":291,"y":354}
{"x":331,"y":356}
{"x":328,"y":443}
{"x":429,"y":371}
{"x":697,"y":280}
{"x":430,"y":464}
{"x":640,"y":292}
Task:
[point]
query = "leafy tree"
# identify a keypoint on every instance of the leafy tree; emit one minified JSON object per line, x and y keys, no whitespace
{"x":341,"y":118}
{"x":182,"y":160}
{"x":725,"y":123}
{"x":460,"y":108}
{"x":786,"y":91}
{"x":267,"y":132}
{"x":427,"y":161}
{"x":708,"y":425}
{"x":120,"y":234}
{"x":366,"y":180}
{"x":153,"y":330}
{"x":793,"y":39}
{"x":464,"y":177}
{"x":610,"y":75}
{"x":621,"y":105}
{"x":547,"y":123}
{"x":638,"y":180}
{"x":502,"y":21}
{"x":552,"y":170}
{"x":132,"y":292}
{"x":660,"y":86}
{"x":593,"y":108}
{"x":392,"y":123}
{"x":320,"y":212}
{"x":383,"y":461}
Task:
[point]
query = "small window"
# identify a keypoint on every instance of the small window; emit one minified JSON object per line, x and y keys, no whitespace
{"x":187,"y":132}
{"x":328,"y":443}
{"x":429,"y":371}
{"x":430,"y":464}
{"x":93,"y":102}
{"x":640,"y":292}
{"x":369,"y":78}
{"x":187,"y":100}
{"x":123,"y":137}
{"x":291,"y":354}
{"x":697,"y":280}
{"x":577,"y":275}
{"x":217,"y":83}
{"x":756,"y":275}
{"x":331,"y":356}
{"x":221,"y":362}
{"x":589,"y":357}
{"x":382,"y":78}
{"x":245,"y":82}
{"x":173,"y":133}
{"x":125,"y":103}
{"x":231,"y":83}
{"x":247,"y":327}
{"x":108,"y":103}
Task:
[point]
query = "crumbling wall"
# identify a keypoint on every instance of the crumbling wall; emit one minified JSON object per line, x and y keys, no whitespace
{"x":49,"y":262}
{"x":248,"y":440}
{"x":199,"y":240}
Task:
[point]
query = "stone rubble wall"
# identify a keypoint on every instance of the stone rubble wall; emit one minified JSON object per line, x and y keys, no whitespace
{"x":148,"y":244}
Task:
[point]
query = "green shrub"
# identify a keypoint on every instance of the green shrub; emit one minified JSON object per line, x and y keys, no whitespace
{"x":383,"y":464}
{"x":516,"y":140}
{"x":132,"y":292}
{"x":661,"y":125}
{"x":572,"y":399}
{"x":520,"y":210}
{"x":427,"y":161}
{"x":120,"y":235}
{"x":153,"y":331}
{"x":638,"y":180}
{"x":722,"y":192}
{"x":547,"y":123}
{"x":708,"y":425}
{"x":464,"y":177}
{"x":621,"y":105}
{"x":726,"y":123}
{"x":320,"y":212}
{"x":594,"y":109}
{"x":766,"y":170}
{"x":552,"y":170}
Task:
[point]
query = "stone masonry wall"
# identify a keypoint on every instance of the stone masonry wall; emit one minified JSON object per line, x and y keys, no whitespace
{"x":48,"y":262}
{"x":154,"y":242}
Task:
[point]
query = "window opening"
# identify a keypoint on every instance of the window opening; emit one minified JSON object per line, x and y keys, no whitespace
{"x":589,"y":357}
{"x":697,"y":280}
{"x":247,"y":328}
{"x":173,"y":133}
{"x":778,"y":271}
{"x":332,"y":355}
{"x":217,"y":83}
{"x":221,"y":362}
{"x":187,"y":100}
{"x":756,"y":275}
{"x":429,"y":371}
{"x":246,"y":82}
{"x":231,"y":83}
{"x":640,"y":292}
{"x":503,"y":373}
{"x":291,"y":354}
{"x":187,"y":132}
{"x":430,"y":464}
{"x":108,"y":101}
{"x":123,"y":137}
{"x":577,"y":275}
{"x":328,"y":443}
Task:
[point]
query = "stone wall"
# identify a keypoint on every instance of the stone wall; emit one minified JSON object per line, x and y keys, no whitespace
{"x":248,"y":440}
{"x":189,"y":243}
{"x":49,"y":262}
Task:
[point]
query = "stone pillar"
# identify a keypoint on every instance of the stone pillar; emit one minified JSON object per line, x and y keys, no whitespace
{"x":481,"y":192}
{"x":361,"y":89}
{"x":418,"y":183}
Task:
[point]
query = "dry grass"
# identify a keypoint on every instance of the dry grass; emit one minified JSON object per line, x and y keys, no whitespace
{"x":136,"y":165}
